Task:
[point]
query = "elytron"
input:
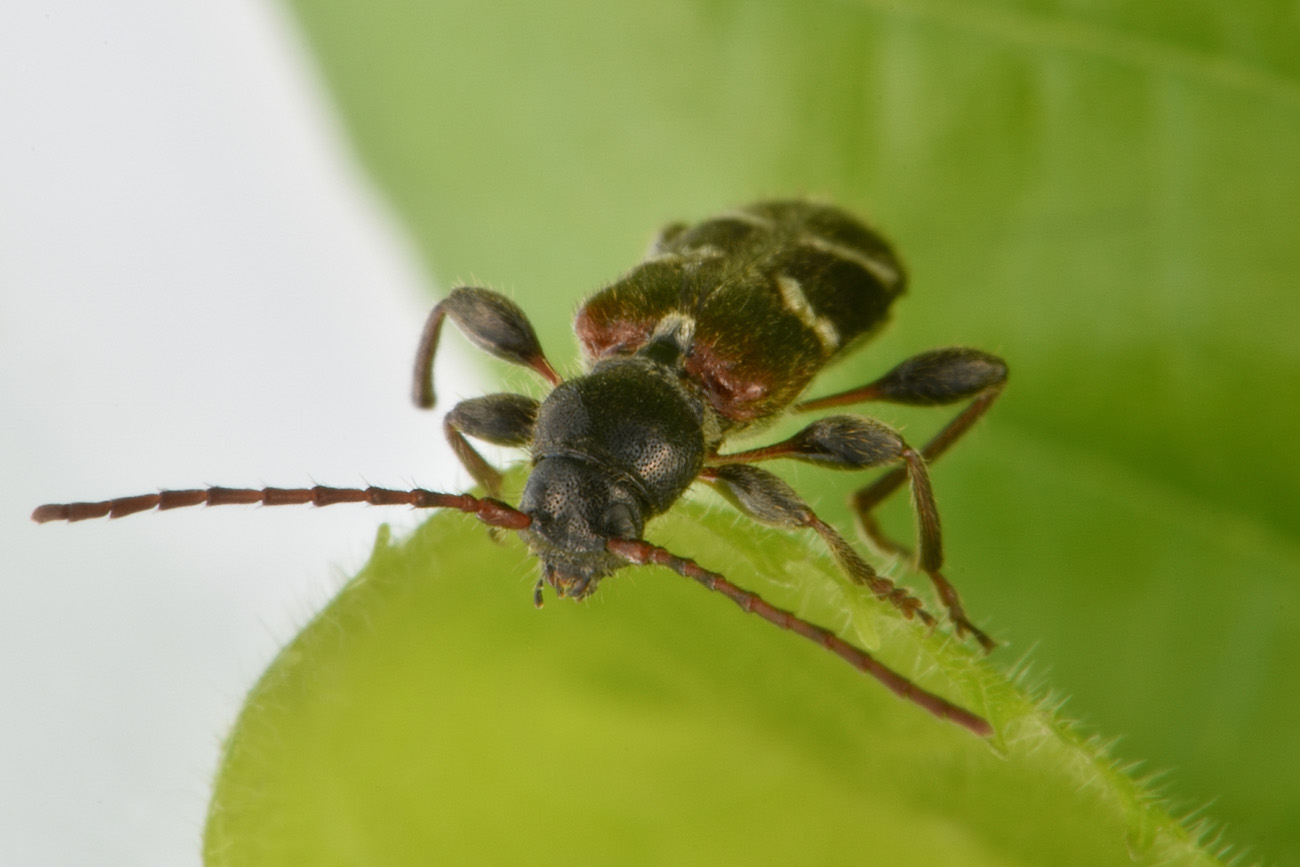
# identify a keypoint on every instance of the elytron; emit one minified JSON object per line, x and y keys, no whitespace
{"x":720,"y":329}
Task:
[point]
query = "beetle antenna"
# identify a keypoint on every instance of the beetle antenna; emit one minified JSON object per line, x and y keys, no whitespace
{"x":641,"y":552}
{"x":492,"y":512}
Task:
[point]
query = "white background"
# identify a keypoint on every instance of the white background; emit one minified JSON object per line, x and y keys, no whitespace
{"x":197,"y":287}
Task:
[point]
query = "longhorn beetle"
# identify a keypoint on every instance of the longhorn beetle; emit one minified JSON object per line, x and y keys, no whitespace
{"x":719,"y":329}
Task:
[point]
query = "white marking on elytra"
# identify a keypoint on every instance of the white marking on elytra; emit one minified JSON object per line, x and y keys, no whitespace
{"x":686,"y":254}
{"x":883,"y":271}
{"x":826,"y":334}
{"x":794,"y":299}
{"x":797,"y":303}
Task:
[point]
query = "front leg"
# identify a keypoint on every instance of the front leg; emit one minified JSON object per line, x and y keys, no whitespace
{"x":501,"y":419}
{"x":493,"y":323}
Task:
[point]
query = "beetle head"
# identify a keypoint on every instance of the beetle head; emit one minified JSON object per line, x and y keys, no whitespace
{"x":576,"y":506}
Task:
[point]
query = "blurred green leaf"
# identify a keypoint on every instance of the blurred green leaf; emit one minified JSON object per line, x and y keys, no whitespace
{"x":430,"y":714}
{"x":1107,"y":194}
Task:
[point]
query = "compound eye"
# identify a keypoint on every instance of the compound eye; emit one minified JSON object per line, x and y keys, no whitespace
{"x":620,"y":523}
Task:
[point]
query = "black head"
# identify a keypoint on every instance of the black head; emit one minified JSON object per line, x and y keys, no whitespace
{"x":576,"y":505}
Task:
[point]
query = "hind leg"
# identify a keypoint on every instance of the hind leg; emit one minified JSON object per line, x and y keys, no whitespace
{"x":935,"y":378}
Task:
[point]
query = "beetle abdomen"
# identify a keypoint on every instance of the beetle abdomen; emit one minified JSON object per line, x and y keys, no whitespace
{"x":774,"y":291}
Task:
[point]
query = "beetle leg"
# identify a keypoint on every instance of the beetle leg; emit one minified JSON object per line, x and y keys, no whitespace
{"x":493,"y":323}
{"x":501,"y":419}
{"x":768,"y":500}
{"x":855,"y":442}
{"x":641,"y":552}
{"x":935,"y":378}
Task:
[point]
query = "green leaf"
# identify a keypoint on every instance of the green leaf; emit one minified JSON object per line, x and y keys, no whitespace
{"x":430,"y":712}
{"x":1106,"y":194}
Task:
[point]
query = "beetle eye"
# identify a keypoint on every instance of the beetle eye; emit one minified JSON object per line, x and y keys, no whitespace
{"x":620,"y":523}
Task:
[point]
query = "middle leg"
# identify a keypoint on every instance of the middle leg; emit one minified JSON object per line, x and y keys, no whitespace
{"x":768,"y":500}
{"x":855,"y":442}
{"x":936,"y":378}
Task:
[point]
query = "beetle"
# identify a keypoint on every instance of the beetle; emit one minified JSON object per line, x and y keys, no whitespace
{"x":716,"y":332}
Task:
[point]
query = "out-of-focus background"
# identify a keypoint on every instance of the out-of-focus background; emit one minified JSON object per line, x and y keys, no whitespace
{"x":200,"y":285}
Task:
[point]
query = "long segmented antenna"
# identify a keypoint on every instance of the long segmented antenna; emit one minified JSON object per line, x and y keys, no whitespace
{"x":641,"y":552}
{"x":486,"y":509}
{"x":498,"y":514}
